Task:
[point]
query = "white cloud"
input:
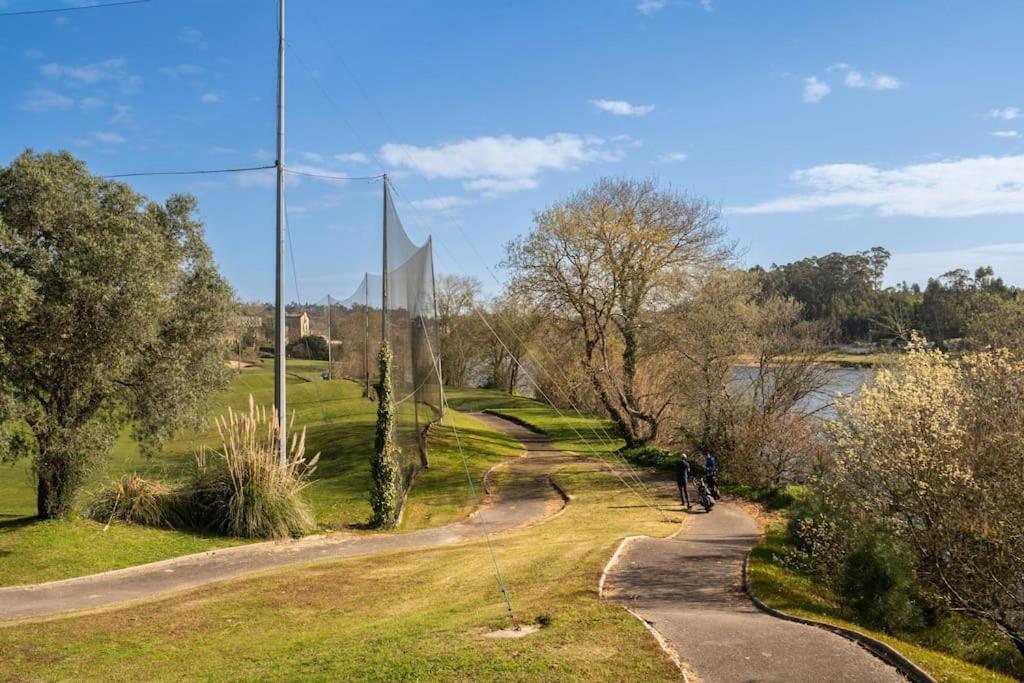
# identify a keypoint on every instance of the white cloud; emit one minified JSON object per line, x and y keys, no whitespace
{"x":1006,"y":259}
{"x":873,"y":81}
{"x":445,"y":203}
{"x":101,"y":137}
{"x":40,"y":100}
{"x":192,"y":36}
{"x":815,"y":90}
{"x":1004,"y":113}
{"x":672,"y":156}
{"x":492,"y":187}
{"x":122,"y":114}
{"x":114,"y":70}
{"x":354,"y":157}
{"x":706,"y":5}
{"x":946,"y":189}
{"x":314,"y":157}
{"x":623,"y":108}
{"x":1005,"y":134}
{"x":650,"y":7}
{"x":499,"y":164}
{"x":180,"y":71}
{"x":211,"y":98}
{"x":88,"y":103}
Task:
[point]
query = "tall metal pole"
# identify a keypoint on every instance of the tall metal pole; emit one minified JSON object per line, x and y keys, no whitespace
{"x":279,"y":300}
{"x":437,"y":323}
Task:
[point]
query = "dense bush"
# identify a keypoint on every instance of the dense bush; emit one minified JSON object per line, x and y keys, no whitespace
{"x":310,"y":347}
{"x":877,"y":581}
{"x":659,"y":458}
{"x":773,"y":496}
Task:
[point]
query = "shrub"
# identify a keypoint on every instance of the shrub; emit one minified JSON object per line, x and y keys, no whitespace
{"x":310,"y":347}
{"x":877,"y":580}
{"x":660,"y":459}
{"x":241,"y":489}
{"x":774,"y":496}
{"x":134,"y":499}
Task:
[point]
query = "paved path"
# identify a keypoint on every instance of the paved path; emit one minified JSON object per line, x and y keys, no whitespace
{"x":689,"y":588}
{"x":526,"y":495}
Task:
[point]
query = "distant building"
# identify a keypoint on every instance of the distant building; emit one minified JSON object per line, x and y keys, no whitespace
{"x":296,"y":326}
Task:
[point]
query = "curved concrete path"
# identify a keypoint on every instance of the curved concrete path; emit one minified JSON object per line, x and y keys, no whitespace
{"x":689,"y":588}
{"x":526,"y":495}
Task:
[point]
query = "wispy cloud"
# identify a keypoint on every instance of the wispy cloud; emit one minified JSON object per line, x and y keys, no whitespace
{"x":88,"y":103}
{"x":353,"y":157}
{"x":192,"y":36}
{"x":211,"y":98}
{"x":649,"y":7}
{"x":180,"y":71}
{"x":815,"y":90}
{"x":1006,"y":134}
{"x":1004,"y":113}
{"x":40,"y":100}
{"x":223,"y":150}
{"x":873,"y":81}
{"x":672,"y":156}
{"x":499,"y":164}
{"x":101,"y":137}
{"x":954,"y":188}
{"x":623,"y":108}
{"x":33,"y":54}
{"x":445,"y":203}
{"x":114,"y":70}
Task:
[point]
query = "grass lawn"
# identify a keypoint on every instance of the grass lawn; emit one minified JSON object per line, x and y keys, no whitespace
{"x":409,"y":615}
{"x":340,"y":425}
{"x":945,"y":651}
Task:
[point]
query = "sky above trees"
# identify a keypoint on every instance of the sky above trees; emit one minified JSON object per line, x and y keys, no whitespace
{"x":818,"y":127}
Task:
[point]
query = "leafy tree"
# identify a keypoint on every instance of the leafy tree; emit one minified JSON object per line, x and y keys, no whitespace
{"x":112,"y":311}
{"x":602,"y":260}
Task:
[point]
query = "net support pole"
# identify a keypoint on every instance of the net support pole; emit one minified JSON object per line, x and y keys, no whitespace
{"x":330,"y":356}
{"x":279,"y":301}
{"x":437,"y":337}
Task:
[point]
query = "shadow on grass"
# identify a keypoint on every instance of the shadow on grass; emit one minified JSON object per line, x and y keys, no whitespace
{"x":17,"y":522}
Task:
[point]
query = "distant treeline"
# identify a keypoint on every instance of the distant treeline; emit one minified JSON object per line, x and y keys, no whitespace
{"x":845,"y":291}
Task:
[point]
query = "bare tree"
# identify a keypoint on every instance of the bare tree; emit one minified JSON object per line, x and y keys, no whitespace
{"x":604,"y":260}
{"x":457,"y":299}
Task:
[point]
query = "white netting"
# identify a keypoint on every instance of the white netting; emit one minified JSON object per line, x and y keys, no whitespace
{"x":353,"y":327}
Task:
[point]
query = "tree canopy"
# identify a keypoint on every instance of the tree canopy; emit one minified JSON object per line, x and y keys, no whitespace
{"x":112,"y":311}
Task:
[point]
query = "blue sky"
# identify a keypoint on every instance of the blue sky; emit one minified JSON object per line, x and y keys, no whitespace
{"x":818,"y":126}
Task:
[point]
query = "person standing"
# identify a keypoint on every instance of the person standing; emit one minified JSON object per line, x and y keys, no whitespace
{"x":711,"y":470}
{"x":683,"y":479}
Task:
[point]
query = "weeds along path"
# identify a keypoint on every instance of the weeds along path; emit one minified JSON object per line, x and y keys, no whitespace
{"x":689,"y":588}
{"x":522,"y":493}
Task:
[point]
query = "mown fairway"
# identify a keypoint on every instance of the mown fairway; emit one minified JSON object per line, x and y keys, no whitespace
{"x":339,"y":423}
{"x":418,"y":615}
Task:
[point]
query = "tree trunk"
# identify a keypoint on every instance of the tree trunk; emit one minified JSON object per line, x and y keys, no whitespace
{"x":53,"y":494}
{"x":1018,"y":640}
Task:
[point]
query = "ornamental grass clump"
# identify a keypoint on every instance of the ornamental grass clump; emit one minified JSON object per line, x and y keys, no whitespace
{"x":135,"y":500}
{"x":242,"y":489}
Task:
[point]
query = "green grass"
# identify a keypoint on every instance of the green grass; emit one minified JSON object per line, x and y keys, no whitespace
{"x":566,"y":429}
{"x":340,"y":425}
{"x":476,"y":400}
{"x":409,"y":615}
{"x":946,"y":651}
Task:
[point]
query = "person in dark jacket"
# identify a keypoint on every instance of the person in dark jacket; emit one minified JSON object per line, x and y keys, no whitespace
{"x":683,"y":479}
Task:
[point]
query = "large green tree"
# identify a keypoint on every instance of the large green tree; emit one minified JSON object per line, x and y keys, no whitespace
{"x":112,"y":312}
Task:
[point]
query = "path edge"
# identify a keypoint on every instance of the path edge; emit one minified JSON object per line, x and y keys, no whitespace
{"x":886,"y":653}
{"x":660,"y":639}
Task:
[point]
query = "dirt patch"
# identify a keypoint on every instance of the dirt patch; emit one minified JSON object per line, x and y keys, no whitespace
{"x":520,"y":632}
{"x":761,"y":514}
